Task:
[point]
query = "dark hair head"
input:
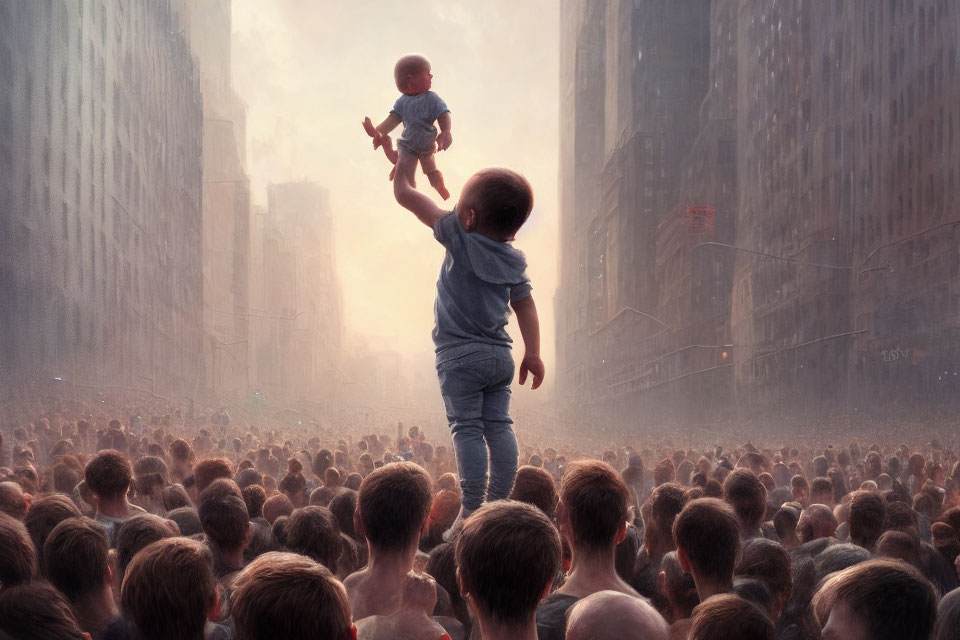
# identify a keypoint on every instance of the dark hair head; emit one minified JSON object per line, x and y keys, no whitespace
{"x":502,"y":200}
{"x":708,"y":532}
{"x":75,"y":557}
{"x":767,"y":561}
{"x":36,"y":610}
{"x":135,"y":534}
{"x":838,"y":557}
{"x":867,"y":511}
{"x":254,"y":496}
{"x":247,"y":477}
{"x":730,"y":617}
{"x":169,"y":588}
{"x":893,"y":600}
{"x":508,"y":553}
{"x":276,"y":506}
{"x":313,"y":532}
{"x":187,"y":520}
{"x":748,"y":497}
{"x":211,"y":469}
{"x":343,"y":506}
{"x":666,"y":503}
{"x":409,"y":65}
{"x":46,"y":513}
{"x":534,"y":485}
{"x":224,"y":519}
{"x":17,"y":554}
{"x":284,"y":595}
{"x":393,"y":503}
{"x":595,"y":499}
{"x":109,"y":473}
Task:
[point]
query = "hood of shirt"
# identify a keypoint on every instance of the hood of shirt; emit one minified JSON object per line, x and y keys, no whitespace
{"x":492,"y":261}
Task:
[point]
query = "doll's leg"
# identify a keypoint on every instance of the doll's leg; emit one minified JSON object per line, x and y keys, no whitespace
{"x":429,"y":165}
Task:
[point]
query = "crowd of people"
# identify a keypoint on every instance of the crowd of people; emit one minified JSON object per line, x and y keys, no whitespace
{"x":150,"y":529}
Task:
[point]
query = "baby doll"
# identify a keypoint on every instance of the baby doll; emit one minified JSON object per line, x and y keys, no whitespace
{"x":412,"y":620}
{"x":418,"y":108}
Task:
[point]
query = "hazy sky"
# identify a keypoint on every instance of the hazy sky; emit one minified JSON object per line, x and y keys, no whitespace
{"x":310,"y":70}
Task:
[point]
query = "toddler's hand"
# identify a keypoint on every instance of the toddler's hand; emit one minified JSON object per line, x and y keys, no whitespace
{"x":372,"y":132}
{"x":444,"y":140}
{"x":533,"y":365}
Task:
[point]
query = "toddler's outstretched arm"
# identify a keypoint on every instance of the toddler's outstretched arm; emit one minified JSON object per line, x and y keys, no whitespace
{"x":529,"y":322}
{"x":409,"y":198}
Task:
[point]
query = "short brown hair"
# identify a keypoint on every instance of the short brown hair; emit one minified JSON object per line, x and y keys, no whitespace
{"x":502,"y":199}
{"x":867,"y":512}
{"x":748,"y":497}
{"x":595,"y":498}
{"x":109,"y":473}
{"x":666,"y":502}
{"x":409,"y":65}
{"x":36,"y":610}
{"x":894,"y":600}
{"x":708,"y":532}
{"x":135,"y":534}
{"x":768,"y":562}
{"x":534,"y":485}
{"x":45,"y":514}
{"x":284,"y":595}
{"x":394,"y":502}
{"x":17,"y":555}
{"x":209,"y":469}
{"x":224,"y":520}
{"x":730,"y":617}
{"x":508,"y":553}
{"x":276,"y":506}
{"x":76,"y":557}
{"x":169,"y":588}
{"x":254,"y":496}
{"x":313,"y":532}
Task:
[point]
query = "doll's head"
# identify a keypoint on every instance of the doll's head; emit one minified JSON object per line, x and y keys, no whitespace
{"x":412,"y":74}
{"x":419,"y":593}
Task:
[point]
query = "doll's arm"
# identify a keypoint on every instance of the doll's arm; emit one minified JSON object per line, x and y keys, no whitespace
{"x":377,"y":133}
{"x":445,"y":139}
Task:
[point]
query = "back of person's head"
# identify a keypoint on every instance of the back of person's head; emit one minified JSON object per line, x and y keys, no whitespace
{"x":76,"y":558}
{"x":748,"y":497}
{"x":13,"y":502}
{"x":867,"y":511}
{"x":276,"y":506}
{"x":442,"y":565}
{"x":210,"y":469}
{"x":393,"y":503}
{"x":169,"y":589}
{"x":284,"y":595}
{"x":889,"y":600}
{"x":594,"y":498}
{"x":187,"y":521}
{"x":135,"y":534}
{"x":756,"y":592}
{"x":610,"y":615}
{"x":343,"y":506}
{"x":730,"y":617}
{"x":313,"y":532}
{"x":508,"y":555}
{"x":666,"y":502}
{"x":408,"y":66}
{"x":254,"y":496}
{"x":502,"y":199}
{"x":18,"y":558}
{"x":46,"y":513}
{"x":677,"y":585}
{"x":109,"y":474}
{"x":224,"y":519}
{"x":948,"y":616}
{"x":768,"y":562}
{"x":36,"y":611}
{"x":838,"y":557}
{"x":534,"y":485}
{"x":707,"y":533}
{"x":247,"y":477}
{"x":785,"y":521}
{"x":900,"y":545}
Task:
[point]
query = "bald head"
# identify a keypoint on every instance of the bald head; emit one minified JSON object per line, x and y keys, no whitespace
{"x":816,"y":521}
{"x":12,"y":501}
{"x":609,"y":615}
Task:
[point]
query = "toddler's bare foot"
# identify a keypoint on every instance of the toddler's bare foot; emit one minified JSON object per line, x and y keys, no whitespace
{"x":436,"y":181}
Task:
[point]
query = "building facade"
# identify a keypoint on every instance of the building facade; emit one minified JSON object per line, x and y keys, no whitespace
{"x":792,"y":237}
{"x":101,"y":122}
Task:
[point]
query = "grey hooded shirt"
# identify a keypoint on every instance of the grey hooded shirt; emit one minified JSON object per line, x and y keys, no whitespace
{"x":479,"y":278}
